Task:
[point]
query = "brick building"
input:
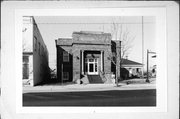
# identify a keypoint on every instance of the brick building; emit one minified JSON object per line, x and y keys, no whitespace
{"x":86,"y":54}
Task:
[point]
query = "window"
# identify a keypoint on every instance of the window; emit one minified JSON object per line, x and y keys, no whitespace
{"x":65,"y":75}
{"x":91,"y":60}
{"x":25,"y":67}
{"x":42,"y":50}
{"x":39,"y":48}
{"x":35,"y":42}
{"x":95,"y":60}
{"x":65,"y":56}
{"x":86,"y":60}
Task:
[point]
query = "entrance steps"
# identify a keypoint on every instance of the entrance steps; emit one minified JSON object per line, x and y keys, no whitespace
{"x":94,"y":79}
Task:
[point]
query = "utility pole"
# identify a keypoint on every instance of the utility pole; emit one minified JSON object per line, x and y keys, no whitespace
{"x":143,"y":46}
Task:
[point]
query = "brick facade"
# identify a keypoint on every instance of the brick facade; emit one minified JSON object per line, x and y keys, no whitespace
{"x":82,"y":48}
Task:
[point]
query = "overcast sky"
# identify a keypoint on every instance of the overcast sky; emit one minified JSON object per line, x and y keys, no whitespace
{"x":52,"y":28}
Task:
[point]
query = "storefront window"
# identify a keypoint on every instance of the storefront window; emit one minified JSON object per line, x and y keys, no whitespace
{"x":25,"y":67}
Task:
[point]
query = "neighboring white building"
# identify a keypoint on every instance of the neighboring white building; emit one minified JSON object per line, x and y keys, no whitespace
{"x":35,"y":54}
{"x":134,"y":68}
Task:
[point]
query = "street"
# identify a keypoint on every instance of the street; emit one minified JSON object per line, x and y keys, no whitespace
{"x":145,"y":97}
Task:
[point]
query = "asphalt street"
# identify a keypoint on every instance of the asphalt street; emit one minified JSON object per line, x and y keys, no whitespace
{"x":145,"y":97}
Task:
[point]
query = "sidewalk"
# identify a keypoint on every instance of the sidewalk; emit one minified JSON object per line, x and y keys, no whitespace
{"x":90,"y":87}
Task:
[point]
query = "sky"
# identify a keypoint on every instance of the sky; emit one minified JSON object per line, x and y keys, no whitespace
{"x":54,"y":27}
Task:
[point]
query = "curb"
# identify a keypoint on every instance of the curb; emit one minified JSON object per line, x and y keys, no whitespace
{"x":88,"y":87}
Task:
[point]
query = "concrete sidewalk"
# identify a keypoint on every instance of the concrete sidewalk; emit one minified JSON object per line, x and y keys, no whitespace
{"x":88,"y":87}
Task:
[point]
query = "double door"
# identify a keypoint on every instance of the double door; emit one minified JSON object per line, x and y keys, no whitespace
{"x":91,"y":66}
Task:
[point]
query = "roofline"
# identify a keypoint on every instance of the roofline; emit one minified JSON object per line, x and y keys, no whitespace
{"x":137,"y":63}
{"x":82,"y":44}
{"x":91,"y":32}
{"x":91,"y":44}
{"x":132,"y":65}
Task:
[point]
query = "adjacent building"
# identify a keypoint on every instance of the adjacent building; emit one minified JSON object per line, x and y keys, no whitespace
{"x":35,"y":54}
{"x":134,"y":68}
{"x":86,"y":55}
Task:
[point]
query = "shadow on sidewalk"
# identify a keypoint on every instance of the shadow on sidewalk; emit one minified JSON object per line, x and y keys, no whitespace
{"x":55,"y":82}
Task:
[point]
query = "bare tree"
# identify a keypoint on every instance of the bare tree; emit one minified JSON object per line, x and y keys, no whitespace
{"x":117,"y":56}
{"x":119,"y":33}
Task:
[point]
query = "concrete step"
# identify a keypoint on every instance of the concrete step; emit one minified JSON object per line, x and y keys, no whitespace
{"x":94,"y":79}
{"x":85,"y":79}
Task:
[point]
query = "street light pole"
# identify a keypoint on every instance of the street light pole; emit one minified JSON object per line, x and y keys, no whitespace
{"x":143,"y":46}
{"x":147,"y":80}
